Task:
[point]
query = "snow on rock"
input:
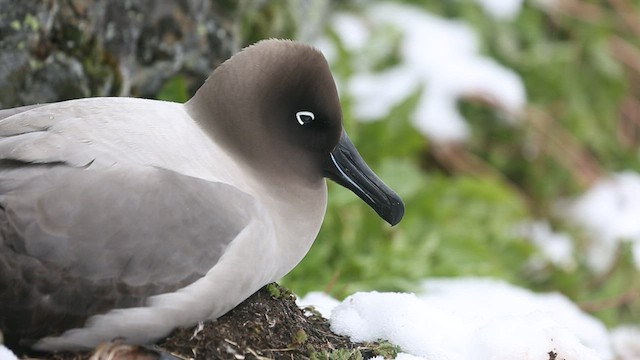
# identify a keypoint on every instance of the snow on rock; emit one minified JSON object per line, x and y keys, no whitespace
{"x":501,"y":9}
{"x":438,"y":54}
{"x":6,"y":354}
{"x":473,"y":319}
{"x":609,"y":210}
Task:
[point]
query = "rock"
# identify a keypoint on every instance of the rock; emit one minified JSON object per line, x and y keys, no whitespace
{"x":53,"y":50}
{"x":56,"y":50}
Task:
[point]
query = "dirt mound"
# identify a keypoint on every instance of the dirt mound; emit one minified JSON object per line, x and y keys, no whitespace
{"x":268,"y":325}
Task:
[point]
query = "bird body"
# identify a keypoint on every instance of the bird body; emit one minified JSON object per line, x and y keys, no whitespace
{"x":125,"y":218}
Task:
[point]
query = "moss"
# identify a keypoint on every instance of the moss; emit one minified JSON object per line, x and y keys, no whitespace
{"x":15,"y":25}
{"x":32,"y":22}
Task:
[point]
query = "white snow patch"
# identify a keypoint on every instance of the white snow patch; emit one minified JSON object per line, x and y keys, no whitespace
{"x":6,"y":354}
{"x":402,"y":319}
{"x":327,"y":48}
{"x":441,"y":55}
{"x":626,"y":342}
{"x":353,"y":33}
{"x":609,"y":210}
{"x":319,"y":300}
{"x":473,"y":319}
{"x":555,"y":247}
{"x":377,"y":93}
{"x":501,"y":9}
{"x":494,"y":301}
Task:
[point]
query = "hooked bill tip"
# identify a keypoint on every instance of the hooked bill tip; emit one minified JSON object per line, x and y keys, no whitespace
{"x":395,"y":213}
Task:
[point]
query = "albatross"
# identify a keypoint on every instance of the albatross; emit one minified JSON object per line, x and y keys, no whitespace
{"x":124,"y":218}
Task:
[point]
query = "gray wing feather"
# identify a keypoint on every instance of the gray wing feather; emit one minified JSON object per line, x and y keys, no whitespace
{"x":85,"y":227}
{"x":40,"y":139}
{"x":135,"y":224}
{"x":40,"y":147}
{"x":78,"y":242}
{"x":5,"y":113}
{"x":78,"y":132}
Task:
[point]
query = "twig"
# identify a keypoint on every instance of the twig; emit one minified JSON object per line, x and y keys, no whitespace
{"x":458,"y":158}
{"x":179,"y":356}
{"x":580,"y":10}
{"x":332,"y":281}
{"x":282,"y":350}
{"x":628,"y":14}
{"x":565,"y":148}
{"x":629,"y":124}
{"x":628,"y":297}
{"x":625,"y":52}
{"x":259,"y":357}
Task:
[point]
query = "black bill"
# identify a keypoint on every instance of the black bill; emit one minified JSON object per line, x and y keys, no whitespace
{"x":346,"y":167}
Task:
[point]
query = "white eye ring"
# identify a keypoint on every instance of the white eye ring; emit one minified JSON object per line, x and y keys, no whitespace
{"x":305,"y":117}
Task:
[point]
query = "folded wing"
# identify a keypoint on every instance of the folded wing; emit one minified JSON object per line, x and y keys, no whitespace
{"x":77,"y":241}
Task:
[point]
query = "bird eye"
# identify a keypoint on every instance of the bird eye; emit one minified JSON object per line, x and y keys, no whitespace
{"x":305,"y":117}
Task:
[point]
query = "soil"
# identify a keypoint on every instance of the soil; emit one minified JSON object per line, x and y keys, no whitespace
{"x":268,"y":325}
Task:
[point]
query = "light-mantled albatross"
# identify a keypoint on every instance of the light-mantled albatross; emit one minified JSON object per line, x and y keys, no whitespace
{"x":126,"y":218}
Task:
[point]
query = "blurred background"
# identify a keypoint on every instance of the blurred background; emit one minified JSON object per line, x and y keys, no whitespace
{"x":510,"y":128}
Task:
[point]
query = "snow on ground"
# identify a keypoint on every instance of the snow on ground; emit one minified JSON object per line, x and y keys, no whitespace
{"x":320,"y":301}
{"x":626,"y":342}
{"x":501,"y":9}
{"x":6,"y":354}
{"x":471,"y":319}
{"x":438,"y":54}
{"x":554,"y":247}
{"x":467,"y":318}
{"x":609,"y":210}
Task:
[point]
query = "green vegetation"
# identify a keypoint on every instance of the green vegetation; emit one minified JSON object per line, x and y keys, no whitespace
{"x":339,"y":354}
{"x":300,"y":337}
{"x":175,"y":89}
{"x":382,"y":348}
{"x":386,"y":349}
{"x":581,"y":68}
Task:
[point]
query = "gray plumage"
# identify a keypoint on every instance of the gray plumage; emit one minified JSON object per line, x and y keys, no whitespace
{"x":124,"y":217}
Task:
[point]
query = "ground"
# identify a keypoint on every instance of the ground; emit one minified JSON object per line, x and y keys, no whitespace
{"x":268,"y":325}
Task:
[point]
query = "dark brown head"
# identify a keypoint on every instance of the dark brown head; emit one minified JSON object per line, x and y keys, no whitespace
{"x":275,"y":105}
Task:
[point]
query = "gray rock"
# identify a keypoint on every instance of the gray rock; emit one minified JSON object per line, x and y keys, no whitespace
{"x":55,"y":50}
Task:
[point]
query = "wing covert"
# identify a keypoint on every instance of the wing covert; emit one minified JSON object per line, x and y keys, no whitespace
{"x":76,"y":242}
